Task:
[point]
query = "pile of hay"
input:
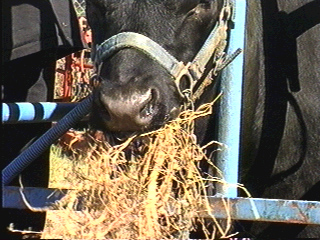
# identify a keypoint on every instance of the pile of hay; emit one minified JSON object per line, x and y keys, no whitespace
{"x":155,"y":195}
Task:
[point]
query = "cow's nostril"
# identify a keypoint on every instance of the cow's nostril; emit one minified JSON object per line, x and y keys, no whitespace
{"x":148,"y":110}
{"x":129,"y":111}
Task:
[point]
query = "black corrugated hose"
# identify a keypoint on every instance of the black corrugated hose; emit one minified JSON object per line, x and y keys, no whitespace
{"x":44,"y":142}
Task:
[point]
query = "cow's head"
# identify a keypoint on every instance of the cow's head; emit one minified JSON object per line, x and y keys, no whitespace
{"x":135,"y":92}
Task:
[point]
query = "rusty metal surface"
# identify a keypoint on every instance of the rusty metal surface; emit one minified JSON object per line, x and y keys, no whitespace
{"x":251,"y":209}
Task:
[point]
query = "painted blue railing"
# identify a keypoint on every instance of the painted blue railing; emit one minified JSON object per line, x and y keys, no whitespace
{"x":229,"y":119}
{"x":25,"y":112}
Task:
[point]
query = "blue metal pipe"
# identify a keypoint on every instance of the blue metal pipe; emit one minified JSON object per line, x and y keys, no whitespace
{"x":34,"y":112}
{"x":230,"y":107}
{"x":44,"y":142}
{"x":266,"y":210}
{"x":249,"y":209}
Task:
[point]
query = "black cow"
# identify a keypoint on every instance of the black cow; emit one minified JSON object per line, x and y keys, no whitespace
{"x":280,"y":133}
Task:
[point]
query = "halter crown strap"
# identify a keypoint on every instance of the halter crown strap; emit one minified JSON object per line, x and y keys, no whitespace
{"x":140,"y":42}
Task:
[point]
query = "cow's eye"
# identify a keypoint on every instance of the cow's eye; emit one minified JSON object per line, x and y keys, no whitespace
{"x":181,"y":6}
{"x":206,"y":4}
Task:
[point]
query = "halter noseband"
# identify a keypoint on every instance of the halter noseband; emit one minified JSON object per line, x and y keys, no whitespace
{"x":214,"y":47}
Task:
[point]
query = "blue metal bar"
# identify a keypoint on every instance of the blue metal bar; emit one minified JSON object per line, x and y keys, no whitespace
{"x":266,"y":210}
{"x":36,"y":197}
{"x":34,"y":112}
{"x":230,"y":107}
{"x":250,"y":209}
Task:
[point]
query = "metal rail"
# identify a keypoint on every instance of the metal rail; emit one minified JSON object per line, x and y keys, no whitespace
{"x":25,"y":112}
{"x":230,"y":107}
{"x":251,"y":209}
